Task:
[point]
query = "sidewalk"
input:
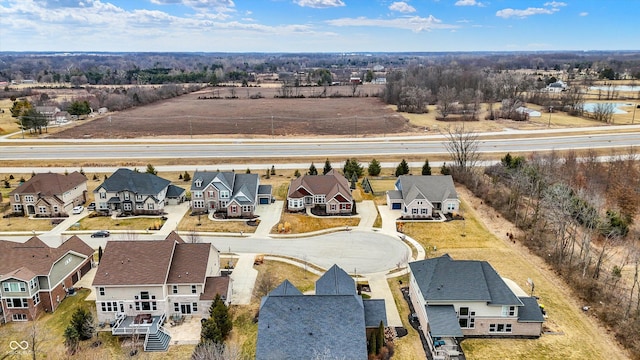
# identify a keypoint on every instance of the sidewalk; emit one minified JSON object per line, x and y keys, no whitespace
{"x":243,"y":279}
{"x":380,"y":290}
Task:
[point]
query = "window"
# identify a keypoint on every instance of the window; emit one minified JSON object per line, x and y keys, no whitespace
{"x":212,"y":194}
{"x":414,"y":211}
{"x":154,"y":306}
{"x":194,"y":289}
{"x":234,"y":209}
{"x":150,"y":206}
{"x":103,"y":195}
{"x":246,"y":208}
{"x":423,"y":211}
{"x":197,"y":194}
{"x":319,"y":199}
{"x":55,"y":209}
{"x":101,"y":291}
{"x":466,"y":318}
{"x":140,"y":206}
{"x":126,"y":196}
{"x":501,"y":328}
{"x":15,"y":287}
{"x":126,"y":206}
{"x":224,"y":194}
{"x":42,"y":209}
{"x":194,"y":307}
{"x":109,"y":306}
{"x":17,"y":208}
{"x":138,"y":197}
{"x":102,"y":205}
{"x":19,"y":317}
{"x":28,"y":198}
{"x":16,"y":197}
{"x":32,"y":284}
{"x":174,"y":289}
{"x":36,"y":299}
{"x":176,"y":307}
{"x":198,"y":182}
{"x":198,"y":203}
{"x":508,"y":311}
{"x":333,"y":207}
{"x":451,"y":206}
{"x":144,"y":295}
{"x":345,"y":206}
{"x":17,"y":303}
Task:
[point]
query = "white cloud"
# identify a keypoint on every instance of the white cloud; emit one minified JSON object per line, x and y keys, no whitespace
{"x":468,"y":3}
{"x":555,"y":4}
{"x":584,"y":13}
{"x":401,"y":6}
{"x":414,"y":23}
{"x":320,"y":4}
{"x":507,"y":13}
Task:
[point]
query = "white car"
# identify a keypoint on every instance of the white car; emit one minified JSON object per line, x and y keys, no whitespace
{"x":78,"y":209}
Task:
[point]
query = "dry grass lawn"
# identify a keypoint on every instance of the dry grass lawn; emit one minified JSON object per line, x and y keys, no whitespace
{"x":25,"y":224}
{"x":580,"y":336}
{"x":190,"y":223}
{"x":8,"y":124}
{"x":302,"y":223}
{"x":408,"y":347}
{"x":106,"y":222}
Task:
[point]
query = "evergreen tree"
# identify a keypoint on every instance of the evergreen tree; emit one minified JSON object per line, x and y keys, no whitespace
{"x":180,"y":177}
{"x":313,"y":170}
{"x":403,"y":168}
{"x":220,"y":312}
{"x":151,"y":170}
{"x":82,"y":323}
{"x":273,"y":170}
{"x":296,"y":173}
{"x":248,"y":171}
{"x":352,"y":166}
{"x":374,"y":168}
{"x":210,"y":332}
{"x":426,"y":169}
{"x":354,"y":180}
{"x":71,"y":339}
{"x":373,"y":344}
{"x":327,"y":167}
{"x":267,"y":174}
{"x":444,"y":170}
{"x":186,"y":177}
{"x":380,"y":335}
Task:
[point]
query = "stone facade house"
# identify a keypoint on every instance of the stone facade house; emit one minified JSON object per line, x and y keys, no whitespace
{"x":136,"y":193}
{"x":329,"y":192}
{"x":49,"y":194}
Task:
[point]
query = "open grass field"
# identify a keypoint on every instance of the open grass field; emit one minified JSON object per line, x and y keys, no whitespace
{"x":196,"y":114}
{"x":577,"y":335}
{"x":192,"y":223}
{"x":8,"y":124}
{"x":107,"y":222}
{"x":302,"y":223}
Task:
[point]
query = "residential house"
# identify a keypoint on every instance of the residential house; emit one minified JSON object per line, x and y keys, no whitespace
{"x":62,"y":117}
{"x":556,"y":87}
{"x":329,"y":192}
{"x":34,"y":278}
{"x":48,"y":111}
{"x":425,"y":196}
{"x":333,"y":323}
{"x":235,"y":195}
{"x":134,"y":193}
{"x":49,"y":194}
{"x":466,"y":298}
{"x":139,"y":284}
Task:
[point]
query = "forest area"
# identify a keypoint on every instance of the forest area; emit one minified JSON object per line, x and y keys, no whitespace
{"x":577,"y":213}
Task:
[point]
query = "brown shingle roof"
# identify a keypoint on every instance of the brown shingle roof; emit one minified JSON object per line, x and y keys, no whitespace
{"x":36,"y":257}
{"x":215,"y":285}
{"x":49,"y":184}
{"x":331,"y":184}
{"x":189,"y":264}
{"x":135,"y":263}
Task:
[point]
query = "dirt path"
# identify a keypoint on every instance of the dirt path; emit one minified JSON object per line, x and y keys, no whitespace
{"x":500,"y":227}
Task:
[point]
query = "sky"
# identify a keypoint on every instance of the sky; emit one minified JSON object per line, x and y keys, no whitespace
{"x":333,"y":26}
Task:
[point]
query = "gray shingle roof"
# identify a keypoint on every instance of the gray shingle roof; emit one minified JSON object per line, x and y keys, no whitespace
{"x":444,"y":279}
{"x":264,"y":189}
{"x":136,"y":182}
{"x":374,"y":311}
{"x":301,"y":327}
{"x":443,"y":321}
{"x":432,"y":187}
{"x":335,"y":282}
{"x":530,"y":312}
{"x":285,"y":289}
{"x":243,"y":188}
{"x":395,"y":194}
{"x":175,"y":191}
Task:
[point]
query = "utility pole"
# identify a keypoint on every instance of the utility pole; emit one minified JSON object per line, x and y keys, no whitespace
{"x":22,"y":126}
{"x":635,"y":106}
{"x":272,"y":126}
{"x":550,"y":111}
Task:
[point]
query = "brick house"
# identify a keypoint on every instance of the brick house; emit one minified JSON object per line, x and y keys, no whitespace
{"x":329,"y":192}
{"x":34,"y":277}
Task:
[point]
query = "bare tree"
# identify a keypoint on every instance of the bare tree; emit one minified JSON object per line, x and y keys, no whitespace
{"x":265,"y":283}
{"x":603,"y":112}
{"x":462,"y":147}
{"x":193,"y":237}
{"x":446,"y":99}
{"x":213,"y":351}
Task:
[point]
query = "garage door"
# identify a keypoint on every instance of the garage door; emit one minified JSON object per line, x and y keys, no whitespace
{"x":264,"y":201}
{"x":396,"y":206}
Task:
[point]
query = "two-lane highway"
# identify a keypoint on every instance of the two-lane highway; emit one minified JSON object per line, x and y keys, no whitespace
{"x":305,"y":148}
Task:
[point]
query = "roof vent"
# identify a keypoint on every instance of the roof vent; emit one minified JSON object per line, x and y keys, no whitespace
{"x":187,"y":273}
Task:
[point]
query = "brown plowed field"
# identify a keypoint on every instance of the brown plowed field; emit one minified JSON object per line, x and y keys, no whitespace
{"x":198,"y":114}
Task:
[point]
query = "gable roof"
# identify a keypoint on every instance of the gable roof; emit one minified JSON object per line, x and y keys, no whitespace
{"x":443,"y":279}
{"x":135,"y":263}
{"x":530,"y":312}
{"x":285,"y":289}
{"x":49,"y":184}
{"x":174,"y":191}
{"x":189,"y":263}
{"x":34,"y":257}
{"x":330,"y":185}
{"x":136,"y":182}
{"x":443,"y":321}
{"x":215,"y":285}
{"x":305,"y":326}
{"x":335,"y":282}
{"x":430,"y":187}
{"x":243,"y":188}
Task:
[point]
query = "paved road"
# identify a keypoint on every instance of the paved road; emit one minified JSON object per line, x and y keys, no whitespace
{"x":279,"y":150}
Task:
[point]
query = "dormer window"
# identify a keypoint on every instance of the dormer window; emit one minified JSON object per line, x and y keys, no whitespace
{"x":224,"y":194}
{"x":198,"y":182}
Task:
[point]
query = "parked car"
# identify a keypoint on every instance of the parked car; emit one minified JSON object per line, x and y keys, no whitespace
{"x":101,"y":233}
{"x":91,"y":206}
{"x":78,"y":209}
